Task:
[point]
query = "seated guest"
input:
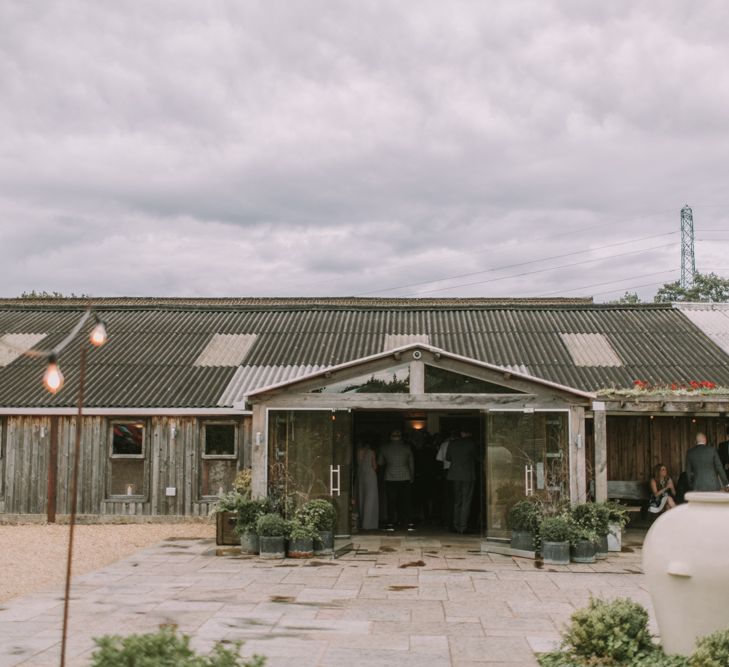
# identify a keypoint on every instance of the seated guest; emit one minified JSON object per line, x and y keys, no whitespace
{"x":662,"y":490}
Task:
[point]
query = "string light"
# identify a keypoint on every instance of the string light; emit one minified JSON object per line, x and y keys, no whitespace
{"x":98,"y":334}
{"x":53,"y":378}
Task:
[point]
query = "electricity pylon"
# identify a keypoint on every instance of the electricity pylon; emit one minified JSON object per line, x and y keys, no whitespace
{"x":688,"y":260}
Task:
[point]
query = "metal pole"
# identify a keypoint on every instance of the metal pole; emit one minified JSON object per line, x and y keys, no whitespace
{"x":74,"y":491}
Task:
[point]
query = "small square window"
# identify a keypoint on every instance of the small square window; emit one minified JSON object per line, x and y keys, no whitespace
{"x":128,"y":439}
{"x":220,"y":439}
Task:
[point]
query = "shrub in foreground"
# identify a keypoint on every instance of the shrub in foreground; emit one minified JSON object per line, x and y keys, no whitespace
{"x":616,"y":630}
{"x":604,"y":633}
{"x":164,"y":648}
{"x":712,"y":650}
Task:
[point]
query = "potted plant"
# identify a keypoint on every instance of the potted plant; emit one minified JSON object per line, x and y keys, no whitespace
{"x":301,"y":539}
{"x":322,"y":516}
{"x":592,"y":519}
{"x":249,"y":511}
{"x":272,"y":530}
{"x":524,"y":518}
{"x":226,"y":514}
{"x":555,"y":533}
{"x":602,"y":513}
{"x":583,"y":545}
{"x":617,"y":520}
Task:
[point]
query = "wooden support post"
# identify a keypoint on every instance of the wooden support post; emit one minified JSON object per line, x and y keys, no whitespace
{"x":417,"y":377}
{"x":259,"y":453}
{"x":578,"y":476}
{"x":52,"y":472}
{"x":601,"y":475}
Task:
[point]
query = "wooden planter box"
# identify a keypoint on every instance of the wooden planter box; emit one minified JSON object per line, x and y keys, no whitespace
{"x":225,"y":529}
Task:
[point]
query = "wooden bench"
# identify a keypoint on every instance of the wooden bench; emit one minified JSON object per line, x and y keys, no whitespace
{"x":636,"y":495}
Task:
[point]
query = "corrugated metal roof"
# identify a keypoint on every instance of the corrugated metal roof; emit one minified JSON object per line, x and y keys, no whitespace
{"x":590,"y":349}
{"x":288,"y":302}
{"x":150,"y":358}
{"x":248,"y":378}
{"x":226,"y":350}
{"x":14,"y":345}
{"x":393,"y":341}
{"x":711,"y":318}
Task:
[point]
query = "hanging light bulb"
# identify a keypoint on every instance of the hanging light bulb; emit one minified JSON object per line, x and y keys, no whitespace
{"x":53,"y":378}
{"x":98,"y":334}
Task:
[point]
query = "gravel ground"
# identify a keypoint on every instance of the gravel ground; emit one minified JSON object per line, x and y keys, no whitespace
{"x":33,"y":557}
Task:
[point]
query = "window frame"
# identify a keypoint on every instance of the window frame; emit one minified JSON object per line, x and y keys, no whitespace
{"x":204,"y":423}
{"x":236,"y":439}
{"x":144,"y":457}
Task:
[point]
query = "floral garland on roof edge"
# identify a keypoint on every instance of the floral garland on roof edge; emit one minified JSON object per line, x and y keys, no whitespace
{"x":644,"y":388}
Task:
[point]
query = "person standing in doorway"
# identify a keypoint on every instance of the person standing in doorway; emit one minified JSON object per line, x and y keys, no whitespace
{"x":703,"y":467}
{"x":462,"y":456}
{"x":447,"y":491}
{"x":397,"y":459}
{"x":368,"y":501}
{"x":723,"y":450}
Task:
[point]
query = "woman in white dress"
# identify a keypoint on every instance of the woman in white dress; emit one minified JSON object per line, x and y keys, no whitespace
{"x":367,"y":493}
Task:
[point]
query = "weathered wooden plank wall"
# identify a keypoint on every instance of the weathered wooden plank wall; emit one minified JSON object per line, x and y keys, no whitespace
{"x":25,"y":472}
{"x":173,"y":460}
{"x":637,"y":443}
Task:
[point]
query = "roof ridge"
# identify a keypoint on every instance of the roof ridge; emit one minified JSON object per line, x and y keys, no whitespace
{"x":317,"y":303}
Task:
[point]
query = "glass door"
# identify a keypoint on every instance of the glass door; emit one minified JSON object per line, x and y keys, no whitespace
{"x":310,"y":456}
{"x":525,"y":457}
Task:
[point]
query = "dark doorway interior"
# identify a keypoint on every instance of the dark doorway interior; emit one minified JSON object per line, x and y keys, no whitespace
{"x":431,"y":504}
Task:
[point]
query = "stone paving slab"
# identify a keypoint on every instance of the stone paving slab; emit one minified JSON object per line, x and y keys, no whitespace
{"x":395,"y":600}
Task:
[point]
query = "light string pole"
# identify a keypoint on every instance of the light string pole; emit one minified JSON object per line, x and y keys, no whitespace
{"x":53,"y":381}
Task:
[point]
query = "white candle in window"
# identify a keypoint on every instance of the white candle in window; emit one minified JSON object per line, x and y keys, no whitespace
{"x":130,"y":489}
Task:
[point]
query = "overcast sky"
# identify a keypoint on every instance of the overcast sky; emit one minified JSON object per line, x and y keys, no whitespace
{"x":393,"y":148}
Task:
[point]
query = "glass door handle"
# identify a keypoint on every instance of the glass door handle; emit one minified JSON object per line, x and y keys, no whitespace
{"x":528,"y":480}
{"x":335,"y":477}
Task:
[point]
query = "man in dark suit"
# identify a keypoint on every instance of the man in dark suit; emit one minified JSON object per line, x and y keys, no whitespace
{"x":462,"y":455}
{"x":703,"y":467}
{"x":723,"y":450}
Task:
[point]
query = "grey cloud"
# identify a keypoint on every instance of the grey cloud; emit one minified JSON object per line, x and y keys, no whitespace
{"x":270,"y":148}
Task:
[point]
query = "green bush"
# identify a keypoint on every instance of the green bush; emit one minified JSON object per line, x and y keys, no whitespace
{"x":272,"y":525}
{"x":555,"y":529}
{"x":229,"y":502}
{"x":318,"y":513}
{"x":301,"y":531}
{"x":712,"y":650}
{"x":592,"y":517}
{"x":164,"y":648}
{"x":660,"y":659}
{"x":655,"y":659}
{"x":525,"y":516}
{"x":249,"y":511}
{"x":617,"y":513}
{"x":559,"y":659}
{"x":615,"y":632}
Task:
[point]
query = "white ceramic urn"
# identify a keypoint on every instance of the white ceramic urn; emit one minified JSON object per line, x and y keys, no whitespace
{"x":686,"y":562}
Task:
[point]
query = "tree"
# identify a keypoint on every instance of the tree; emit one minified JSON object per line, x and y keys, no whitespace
{"x":629,"y":298}
{"x":707,"y":287}
{"x":51,"y":295}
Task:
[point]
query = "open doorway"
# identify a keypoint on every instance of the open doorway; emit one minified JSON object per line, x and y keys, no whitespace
{"x":519,"y":453}
{"x":429,"y":498}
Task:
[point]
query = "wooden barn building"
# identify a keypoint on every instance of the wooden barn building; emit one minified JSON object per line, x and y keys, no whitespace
{"x":187,"y":392}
